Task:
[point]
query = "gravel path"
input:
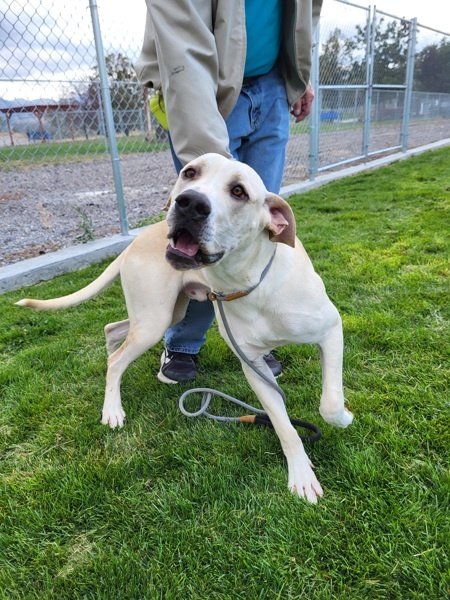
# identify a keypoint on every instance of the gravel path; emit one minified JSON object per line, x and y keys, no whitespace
{"x":50,"y":207}
{"x":55,"y":206}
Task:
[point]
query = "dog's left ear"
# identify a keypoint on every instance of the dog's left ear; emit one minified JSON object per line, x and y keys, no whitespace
{"x":282,"y":222}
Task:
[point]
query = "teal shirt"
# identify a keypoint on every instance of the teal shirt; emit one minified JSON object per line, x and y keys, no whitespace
{"x":263,"y":24}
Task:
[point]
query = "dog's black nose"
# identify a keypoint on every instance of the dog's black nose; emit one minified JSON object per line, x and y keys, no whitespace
{"x":193,"y":206}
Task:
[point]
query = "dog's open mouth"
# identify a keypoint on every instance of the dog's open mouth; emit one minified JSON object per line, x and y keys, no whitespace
{"x":184,"y":251}
{"x":184,"y":243}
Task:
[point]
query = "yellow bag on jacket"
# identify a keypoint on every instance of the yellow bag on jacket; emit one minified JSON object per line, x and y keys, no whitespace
{"x":158,"y":110}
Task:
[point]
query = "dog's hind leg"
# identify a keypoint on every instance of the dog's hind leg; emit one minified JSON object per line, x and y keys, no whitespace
{"x":332,"y":407}
{"x":115,"y":334}
{"x":140,"y":338}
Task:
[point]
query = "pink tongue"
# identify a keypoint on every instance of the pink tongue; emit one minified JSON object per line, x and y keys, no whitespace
{"x":186,"y":244}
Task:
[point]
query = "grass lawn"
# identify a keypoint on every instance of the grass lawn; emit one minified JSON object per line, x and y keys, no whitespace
{"x":174,"y":508}
{"x":38,"y":154}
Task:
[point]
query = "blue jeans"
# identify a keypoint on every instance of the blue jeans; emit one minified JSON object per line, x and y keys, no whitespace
{"x":258,"y":128}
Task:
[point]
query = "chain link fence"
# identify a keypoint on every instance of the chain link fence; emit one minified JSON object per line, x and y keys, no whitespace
{"x":382,"y":84}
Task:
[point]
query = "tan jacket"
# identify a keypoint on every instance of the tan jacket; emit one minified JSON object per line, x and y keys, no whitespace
{"x":200,"y":46}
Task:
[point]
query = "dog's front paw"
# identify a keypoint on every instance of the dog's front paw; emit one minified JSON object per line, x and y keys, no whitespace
{"x":113,"y":418}
{"x":342,"y":418}
{"x":303,"y":481}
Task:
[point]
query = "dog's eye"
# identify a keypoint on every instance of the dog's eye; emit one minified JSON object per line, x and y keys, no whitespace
{"x":238,"y":191}
{"x":189,"y":173}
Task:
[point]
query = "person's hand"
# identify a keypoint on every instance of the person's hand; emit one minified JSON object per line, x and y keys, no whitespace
{"x":302,"y":107}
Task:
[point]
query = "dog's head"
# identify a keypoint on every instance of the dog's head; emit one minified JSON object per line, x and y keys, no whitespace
{"x":217,"y":205}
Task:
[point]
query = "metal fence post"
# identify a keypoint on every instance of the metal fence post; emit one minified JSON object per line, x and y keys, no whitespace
{"x":370,"y":50}
{"x":409,"y":83}
{"x":109,"y":117}
{"x":314,"y":117}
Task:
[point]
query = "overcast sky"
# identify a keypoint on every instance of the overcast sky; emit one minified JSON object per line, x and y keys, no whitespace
{"x":52,"y":42}
{"x":432,"y":13}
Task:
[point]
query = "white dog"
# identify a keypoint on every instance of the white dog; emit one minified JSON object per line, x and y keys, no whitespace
{"x":219,"y":236}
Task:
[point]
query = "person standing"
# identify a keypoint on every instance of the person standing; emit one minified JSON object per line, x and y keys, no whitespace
{"x":229,"y":71}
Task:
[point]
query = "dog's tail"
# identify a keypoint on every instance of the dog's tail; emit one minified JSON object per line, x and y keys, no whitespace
{"x":95,"y":287}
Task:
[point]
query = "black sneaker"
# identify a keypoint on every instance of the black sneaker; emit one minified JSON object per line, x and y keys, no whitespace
{"x":273,"y":364}
{"x":177,"y":367}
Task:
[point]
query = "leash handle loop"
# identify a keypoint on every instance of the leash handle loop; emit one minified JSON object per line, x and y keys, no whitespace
{"x":208,"y":394}
{"x":261,"y":418}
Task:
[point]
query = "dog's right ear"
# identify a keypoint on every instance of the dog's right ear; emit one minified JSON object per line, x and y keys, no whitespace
{"x":282,"y":221}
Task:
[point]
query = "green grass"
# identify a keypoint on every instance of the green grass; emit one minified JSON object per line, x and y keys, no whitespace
{"x":38,"y":154}
{"x":175,"y":508}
